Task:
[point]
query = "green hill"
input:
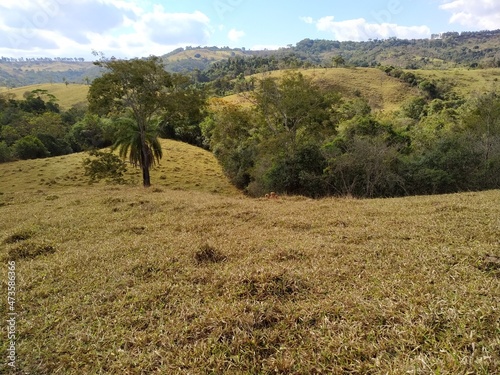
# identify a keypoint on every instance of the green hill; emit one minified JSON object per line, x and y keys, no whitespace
{"x":449,"y":50}
{"x":382,"y":92}
{"x":190,"y":277}
{"x":22,"y":72}
{"x":183,"y":167}
{"x":387,"y":93}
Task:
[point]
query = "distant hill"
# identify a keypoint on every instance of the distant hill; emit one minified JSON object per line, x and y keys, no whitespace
{"x":189,"y":58}
{"x":447,"y":50}
{"x":382,"y":91}
{"x":17,"y":72}
{"x":443,"y":51}
{"x":67,"y":95}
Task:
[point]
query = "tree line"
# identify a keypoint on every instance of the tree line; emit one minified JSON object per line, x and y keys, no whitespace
{"x":298,"y":138}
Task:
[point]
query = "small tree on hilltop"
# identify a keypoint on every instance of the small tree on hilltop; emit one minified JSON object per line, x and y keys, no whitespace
{"x":140,"y":87}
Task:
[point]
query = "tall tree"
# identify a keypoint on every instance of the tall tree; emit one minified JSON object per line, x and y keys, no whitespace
{"x":140,"y":86}
{"x":129,"y":142}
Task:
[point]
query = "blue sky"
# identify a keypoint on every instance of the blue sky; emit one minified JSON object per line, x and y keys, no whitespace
{"x":132,"y":28}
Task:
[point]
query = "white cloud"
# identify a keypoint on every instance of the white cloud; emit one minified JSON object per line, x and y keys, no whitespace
{"x":307,"y":19}
{"x":359,"y":29}
{"x":115,"y":27}
{"x":480,"y":14}
{"x":235,"y":35}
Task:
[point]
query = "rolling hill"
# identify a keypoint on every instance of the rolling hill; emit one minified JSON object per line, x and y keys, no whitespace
{"x":388,"y":93}
{"x":23,"y":73}
{"x":382,"y":92}
{"x":189,"y":276}
{"x":67,"y":95}
{"x":448,"y":50}
{"x":183,"y":167}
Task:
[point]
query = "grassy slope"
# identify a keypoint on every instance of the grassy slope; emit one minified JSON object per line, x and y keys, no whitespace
{"x":383,"y":92}
{"x":466,"y":82}
{"x":204,"y":53}
{"x":178,"y":280}
{"x":59,"y":66}
{"x":388,"y":93}
{"x":67,"y":95}
{"x":182,"y":167}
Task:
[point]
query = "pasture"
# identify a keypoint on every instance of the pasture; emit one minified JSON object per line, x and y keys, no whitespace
{"x":191,"y":277}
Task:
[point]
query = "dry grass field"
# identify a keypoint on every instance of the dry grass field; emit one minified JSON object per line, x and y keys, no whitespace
{"x":67,"y":95}
{"x":383,"y":93}
{"x":464,"y":81}
{"x":191,"y":277}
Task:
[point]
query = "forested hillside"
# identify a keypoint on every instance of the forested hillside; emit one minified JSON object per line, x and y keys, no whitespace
{"x":448,"y":50}
{"x":300,"y":136}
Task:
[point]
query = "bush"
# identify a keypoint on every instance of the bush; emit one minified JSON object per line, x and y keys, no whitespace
{"x":5,"y":152}
{"x":104,"y":166}
{"x":30,"y":147}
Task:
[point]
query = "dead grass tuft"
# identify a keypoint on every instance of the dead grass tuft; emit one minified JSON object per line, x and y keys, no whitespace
{"x":209,"y":254}
{"x":262,"y":286}
{"x":19,"y":236}
{"x":30,"y":250}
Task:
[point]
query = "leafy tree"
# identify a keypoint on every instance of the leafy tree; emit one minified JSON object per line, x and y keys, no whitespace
{"x":140,"y":86}
{"x":9,"y":134}
{"x":483,"y":120}
{"x":338,"y":61}
{"x":184,"y":112}
{"x":228,"y":132}
{"x":30,"y":147}
{"x":415,"y":108}
{"x":92,"y":132}
{"x":275,"y":144}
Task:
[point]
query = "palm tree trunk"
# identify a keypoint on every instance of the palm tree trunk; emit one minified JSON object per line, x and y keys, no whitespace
{"x":145,"y":159}
{"x":145,"y":176}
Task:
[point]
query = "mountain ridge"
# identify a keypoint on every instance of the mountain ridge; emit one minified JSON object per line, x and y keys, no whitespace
{"x":479,"y":49}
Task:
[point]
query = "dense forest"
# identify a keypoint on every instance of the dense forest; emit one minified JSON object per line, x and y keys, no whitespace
{"x":326,"y":144}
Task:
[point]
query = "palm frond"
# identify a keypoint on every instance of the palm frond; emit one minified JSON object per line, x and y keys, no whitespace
{"x":129,"y":143}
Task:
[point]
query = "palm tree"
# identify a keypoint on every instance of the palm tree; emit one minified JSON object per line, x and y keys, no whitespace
{"x":142,"y":147}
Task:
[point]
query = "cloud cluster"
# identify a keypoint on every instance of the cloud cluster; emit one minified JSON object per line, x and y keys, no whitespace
{"x":76,"y":27}
{"x":477,"y":14}
{"x":360,"y":29}
{"x":235,"y":35}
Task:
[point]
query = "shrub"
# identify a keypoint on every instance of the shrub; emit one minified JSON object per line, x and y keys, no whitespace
{"x":104,"y":166}
{"x":5,"y":152}
{"x":30,"y":147}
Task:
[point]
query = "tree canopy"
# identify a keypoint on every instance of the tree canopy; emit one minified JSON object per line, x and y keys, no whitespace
{"x":139,"y":88}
